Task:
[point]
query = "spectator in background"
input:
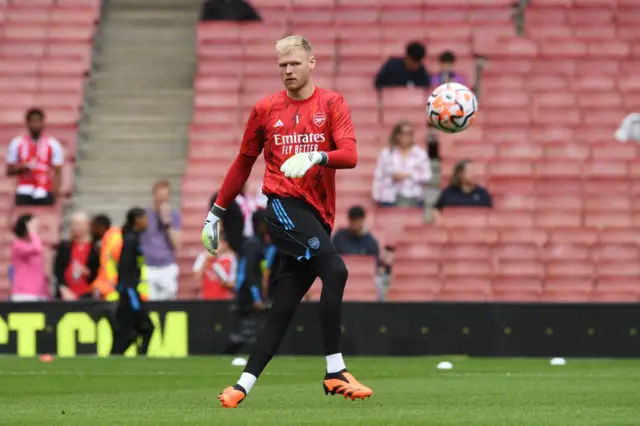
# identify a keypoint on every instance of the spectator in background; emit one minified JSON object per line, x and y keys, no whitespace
{"x":159,"y":243}
{"x":232,"y":225}
{"x":462,"y":191}
{"x":405,"y":72}
{"x":355,"y":239}
{"x":433,"y":143}
{"x":383,"y":278}
{"x":402,"y":171}
{"x":36,"y":159}
{"x":250,"y":202}
{"x":106,"y":238}
{"x":217,"y":273}
{"x":228,"y":10}
{"x":30,"y":282}
{"x":250,"y":301}
{"x":77,"y":261}
{"x":271,"y":263}
{"x":447,"y":73}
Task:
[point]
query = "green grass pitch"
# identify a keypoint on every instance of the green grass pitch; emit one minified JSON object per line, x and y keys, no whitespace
{"x":408,"y":391}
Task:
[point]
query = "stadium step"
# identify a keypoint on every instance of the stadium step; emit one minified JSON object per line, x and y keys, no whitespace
{"x":137,"y":188}
{"x":152,"y":150}
{"x":139,"y":104}
{"x":135,"y":169}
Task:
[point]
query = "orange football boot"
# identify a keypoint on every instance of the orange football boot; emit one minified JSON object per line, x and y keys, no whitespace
{"x":343,"y":383}
{"x":231,"y":397}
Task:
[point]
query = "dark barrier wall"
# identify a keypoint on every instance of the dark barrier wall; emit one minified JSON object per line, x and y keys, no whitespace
{"x":199,"y":328}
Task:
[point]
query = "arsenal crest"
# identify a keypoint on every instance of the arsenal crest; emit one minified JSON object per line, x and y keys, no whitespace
{"x":319,"y":118}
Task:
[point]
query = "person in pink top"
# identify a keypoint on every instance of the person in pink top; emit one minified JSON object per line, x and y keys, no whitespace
{"x":29,"y":282}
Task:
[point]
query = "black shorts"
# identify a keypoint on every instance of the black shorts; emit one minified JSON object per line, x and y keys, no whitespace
{"x":296,"y":229}
{"x":28,"y":200}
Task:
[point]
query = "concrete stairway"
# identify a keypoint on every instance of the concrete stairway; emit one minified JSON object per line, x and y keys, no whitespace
{"x":139,"y":104}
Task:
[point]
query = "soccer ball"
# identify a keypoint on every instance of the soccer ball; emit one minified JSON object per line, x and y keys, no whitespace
{"x":452,"y":107}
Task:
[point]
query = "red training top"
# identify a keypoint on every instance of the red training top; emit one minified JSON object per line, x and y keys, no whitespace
{"x":282,"y":127}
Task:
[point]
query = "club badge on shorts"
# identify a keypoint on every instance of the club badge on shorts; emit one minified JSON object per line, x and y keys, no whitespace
{"x":319,"y":118}
{"x":314,"y":243}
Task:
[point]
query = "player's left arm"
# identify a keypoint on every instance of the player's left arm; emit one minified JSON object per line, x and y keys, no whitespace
{"x":237,"y":176}
{"x":240,"y":170}
{"x":346,"y":154}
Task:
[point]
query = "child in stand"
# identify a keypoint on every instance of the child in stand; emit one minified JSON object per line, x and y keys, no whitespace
{"x":218,"y":273}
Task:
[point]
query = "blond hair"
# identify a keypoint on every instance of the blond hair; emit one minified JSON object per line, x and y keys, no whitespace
{"x":291,"y":43}
{"x":79,"y":216}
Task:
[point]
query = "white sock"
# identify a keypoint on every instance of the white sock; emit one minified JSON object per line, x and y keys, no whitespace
{"x":335,"y":363}
{"x":247,"y":381}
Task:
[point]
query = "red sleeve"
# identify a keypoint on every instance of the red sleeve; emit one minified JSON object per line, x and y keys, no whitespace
{"x":253,"y":138}
{"x":235,"y":179}
{"x":250,"y":149}
{"x":346,"y":154}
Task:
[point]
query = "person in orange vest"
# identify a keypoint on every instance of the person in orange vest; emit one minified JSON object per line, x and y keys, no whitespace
{"x":110,"y":246}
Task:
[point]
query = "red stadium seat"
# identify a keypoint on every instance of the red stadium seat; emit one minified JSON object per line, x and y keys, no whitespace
{"x":515,"y":202}
{"x":74,"y":16}
{"x":566,"y":252}
{"x":527,"y":268}
{"x":522,"y":251}
{"x":468,"y":284}
{"x":517,"y":284}
{"x":613,"y":297}
{"x":462,"y":296}
{"x":410,"y":292}
{"x":516,"y":296}
{"x":467,"y":268}
{"x":456,"y":252}
{"x":511,"y":219}
{"x":618,"y":269}
{"x":564,"y":297}
{"x":465,"y":216}
{"x":615,"y":285}
{"x":612,"y":252}
{"x":424,"y":234}
{"x":608,"y":219}
{"x":419,"y":251}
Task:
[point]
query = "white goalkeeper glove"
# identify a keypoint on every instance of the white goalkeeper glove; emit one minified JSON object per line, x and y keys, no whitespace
{"x":299,"y":164}
{"x":210,"y":230}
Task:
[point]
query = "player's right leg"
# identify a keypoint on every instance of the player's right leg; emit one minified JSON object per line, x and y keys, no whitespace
{"x":292,"y":282}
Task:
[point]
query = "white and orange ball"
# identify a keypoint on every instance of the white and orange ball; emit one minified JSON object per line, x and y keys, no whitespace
{"x":452,"y":107}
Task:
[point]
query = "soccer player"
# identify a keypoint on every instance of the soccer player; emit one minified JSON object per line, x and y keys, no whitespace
{"x":132,"y":318}
{"x":306,"y":134}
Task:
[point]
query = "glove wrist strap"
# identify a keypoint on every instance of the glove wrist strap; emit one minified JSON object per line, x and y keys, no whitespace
{"x":218,"y":211}
{"x":324,"y":158}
